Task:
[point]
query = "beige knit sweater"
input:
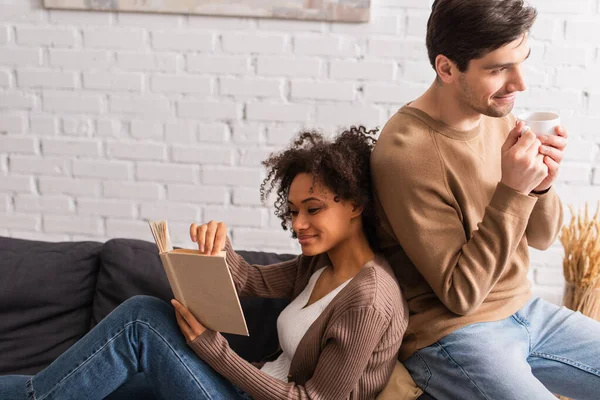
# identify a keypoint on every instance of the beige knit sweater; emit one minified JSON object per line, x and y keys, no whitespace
{"x":348,"y":353}
{"x":455,"y":236}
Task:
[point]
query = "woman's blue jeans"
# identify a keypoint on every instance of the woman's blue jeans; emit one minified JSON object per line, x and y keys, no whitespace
{"x":141,"y":335}
{"x":540,"y":350}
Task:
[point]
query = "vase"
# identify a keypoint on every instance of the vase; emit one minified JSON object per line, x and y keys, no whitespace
{"x":583,"y":299}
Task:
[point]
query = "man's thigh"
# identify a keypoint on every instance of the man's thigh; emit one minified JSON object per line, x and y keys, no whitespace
{"x":481,"y":361}
{"x":565,"y":353}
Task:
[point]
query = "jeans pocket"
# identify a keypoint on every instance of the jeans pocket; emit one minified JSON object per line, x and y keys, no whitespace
{"x":418,"y":370}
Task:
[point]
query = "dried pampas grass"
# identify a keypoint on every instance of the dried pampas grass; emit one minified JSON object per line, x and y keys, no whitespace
{"x":581,"y":265}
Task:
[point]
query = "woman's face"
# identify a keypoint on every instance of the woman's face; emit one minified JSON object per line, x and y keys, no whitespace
{"x":319,"y":221}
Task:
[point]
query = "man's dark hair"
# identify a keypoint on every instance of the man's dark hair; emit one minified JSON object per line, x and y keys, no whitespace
{"x":341,"y":164}
{"x":464,"y":30}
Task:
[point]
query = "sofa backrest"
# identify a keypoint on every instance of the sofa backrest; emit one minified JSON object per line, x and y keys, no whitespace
{"x":128,"y":267}
{"x":46,"y":295}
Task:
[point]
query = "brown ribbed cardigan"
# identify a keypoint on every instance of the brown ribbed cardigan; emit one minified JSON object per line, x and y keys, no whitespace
{"x":456,"y":237}
{"x":350,"y":350}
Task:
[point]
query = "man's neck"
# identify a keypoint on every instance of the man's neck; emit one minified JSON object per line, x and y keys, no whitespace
{"x":438,"y":102}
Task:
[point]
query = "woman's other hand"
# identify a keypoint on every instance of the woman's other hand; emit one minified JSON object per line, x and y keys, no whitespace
{"x":188,"y":324}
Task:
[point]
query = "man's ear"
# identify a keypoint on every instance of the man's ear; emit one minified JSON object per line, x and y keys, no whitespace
{"x":446,"y":69}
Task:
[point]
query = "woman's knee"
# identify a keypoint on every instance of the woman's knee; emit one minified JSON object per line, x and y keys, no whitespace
{"x":144,"y":307}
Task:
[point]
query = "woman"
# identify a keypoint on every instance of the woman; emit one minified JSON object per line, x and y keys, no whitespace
{"x":339,"y":335}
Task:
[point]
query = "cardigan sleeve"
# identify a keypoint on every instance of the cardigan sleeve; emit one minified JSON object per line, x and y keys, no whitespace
{"x":350,"y":343}
{"x":270,"y":281}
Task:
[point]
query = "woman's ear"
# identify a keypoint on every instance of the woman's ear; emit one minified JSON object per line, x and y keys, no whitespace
{"x":357,"y":210}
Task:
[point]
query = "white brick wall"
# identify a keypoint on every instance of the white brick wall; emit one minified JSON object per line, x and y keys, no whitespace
{"x":109,"y":119}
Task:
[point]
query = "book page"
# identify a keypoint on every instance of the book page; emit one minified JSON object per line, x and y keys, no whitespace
{"x":160,"y":232}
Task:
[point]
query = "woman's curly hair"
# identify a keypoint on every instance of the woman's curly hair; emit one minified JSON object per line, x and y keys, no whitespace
{"x":341,"y":164}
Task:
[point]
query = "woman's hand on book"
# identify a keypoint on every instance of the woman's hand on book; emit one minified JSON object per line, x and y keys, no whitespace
{"x":211,"y":237}
{"x":188,"y":324}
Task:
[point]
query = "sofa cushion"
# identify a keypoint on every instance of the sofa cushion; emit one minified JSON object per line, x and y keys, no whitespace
{"x":130,"y":267}
{"x":46,"y":295}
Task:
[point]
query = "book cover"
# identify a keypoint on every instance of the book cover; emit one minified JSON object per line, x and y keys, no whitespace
{"x":202,"y":283}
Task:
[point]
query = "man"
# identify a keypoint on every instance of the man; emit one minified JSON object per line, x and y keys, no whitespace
{"x":462,"y":192}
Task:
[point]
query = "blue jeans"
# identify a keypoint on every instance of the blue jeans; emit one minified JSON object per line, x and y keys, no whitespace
{"x":540,"y":350}
{"x":139,"y":336}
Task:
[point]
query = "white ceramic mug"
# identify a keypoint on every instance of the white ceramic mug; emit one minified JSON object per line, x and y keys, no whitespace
{"x":540,"y":123}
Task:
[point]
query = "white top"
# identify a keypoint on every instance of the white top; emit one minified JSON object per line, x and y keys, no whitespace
{"x":294,"y":321}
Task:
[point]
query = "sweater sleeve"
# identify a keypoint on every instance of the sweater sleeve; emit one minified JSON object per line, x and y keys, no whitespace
{"x":546,"y":218}
{"x":425,"y":218}
{"x":270,"y":281}
{"x":350,"y":340}
{"x":545,"y":221}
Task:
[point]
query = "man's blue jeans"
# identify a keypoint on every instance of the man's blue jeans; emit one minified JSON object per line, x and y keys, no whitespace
{"x":141,"y":335}
{"x":540,"y":350}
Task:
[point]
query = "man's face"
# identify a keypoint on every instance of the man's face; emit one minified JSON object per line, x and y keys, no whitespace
{"x":490,"y":84}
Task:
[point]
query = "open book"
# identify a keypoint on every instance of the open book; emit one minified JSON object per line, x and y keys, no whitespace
{"x":201,"y":283}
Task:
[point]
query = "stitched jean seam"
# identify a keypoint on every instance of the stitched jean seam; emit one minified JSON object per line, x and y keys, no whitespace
{"x":462,"y":370}
{"x":112,"y":339}
{"x":29,"y":389}
{"x":525,"y":324}
{"x":567,"y":361}
{"x":426,"y":385}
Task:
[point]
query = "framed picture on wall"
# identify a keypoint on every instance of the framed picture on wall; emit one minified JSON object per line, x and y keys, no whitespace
{"x":318,"y":10}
